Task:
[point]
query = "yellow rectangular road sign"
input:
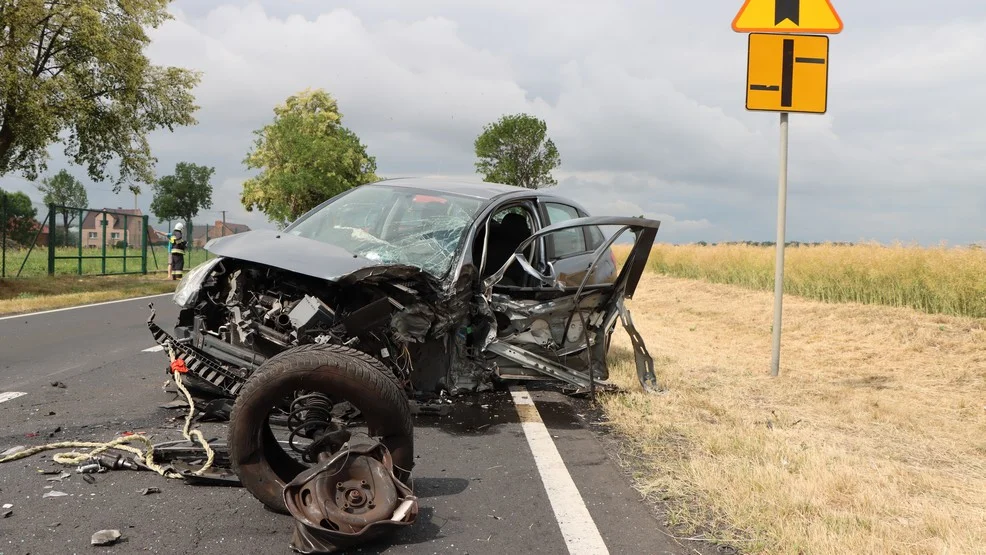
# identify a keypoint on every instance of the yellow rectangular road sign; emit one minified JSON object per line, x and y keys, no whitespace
{"x":787,"y":73}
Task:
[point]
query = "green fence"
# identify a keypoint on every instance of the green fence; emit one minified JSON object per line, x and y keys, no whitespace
{"x":88,"y":241}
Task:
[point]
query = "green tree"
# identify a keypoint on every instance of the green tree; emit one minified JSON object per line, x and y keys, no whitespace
{"x":19,"y":216}
{"x":516,"y":151}
{"x":182,"y":195}
{"x":75,"y":72}
{"x":305,"y":156}
{"x":66,"y":191}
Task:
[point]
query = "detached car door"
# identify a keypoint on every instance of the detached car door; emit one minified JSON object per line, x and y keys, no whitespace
{"x":560,"y":328}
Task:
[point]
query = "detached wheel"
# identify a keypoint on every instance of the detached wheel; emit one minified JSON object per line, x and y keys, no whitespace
{"x":261,"y":461}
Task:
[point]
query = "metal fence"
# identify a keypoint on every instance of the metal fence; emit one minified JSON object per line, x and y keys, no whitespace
{"x":89,"y":241}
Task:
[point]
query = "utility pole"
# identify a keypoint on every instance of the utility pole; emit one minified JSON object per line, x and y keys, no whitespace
{"x":224,"y":223}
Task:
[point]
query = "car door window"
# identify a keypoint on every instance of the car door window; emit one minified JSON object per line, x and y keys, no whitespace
{"x":567,"y":242}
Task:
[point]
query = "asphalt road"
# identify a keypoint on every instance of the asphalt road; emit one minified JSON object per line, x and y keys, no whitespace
{"x":478,"y":475}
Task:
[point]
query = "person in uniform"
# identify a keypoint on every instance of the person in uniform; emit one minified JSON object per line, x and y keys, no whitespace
{"x":178,"y":245}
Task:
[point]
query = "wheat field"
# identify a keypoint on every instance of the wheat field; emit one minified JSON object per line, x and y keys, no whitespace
{"x":872,"y":440}
{"x":940,"y":280}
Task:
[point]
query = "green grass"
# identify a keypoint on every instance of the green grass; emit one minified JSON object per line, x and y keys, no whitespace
{"x":938,"y":280}
{"x":42,"y":293}
{"x":37,"y":261}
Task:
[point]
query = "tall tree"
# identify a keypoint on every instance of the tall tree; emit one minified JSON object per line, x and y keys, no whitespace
{"x":305,"y":156}
{"x":516,"y":151}
{"x":67,"y":192}
{"x":184,"y":194}
{"x":75,"y":72}
{"x":18,"y":216}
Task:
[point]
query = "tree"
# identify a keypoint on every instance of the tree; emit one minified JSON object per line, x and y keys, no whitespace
{"x":67,"y":192}
{"x":17,"y":215}
{"x":305,"y":156}
{"x":75,"y":72}
{"x":516,"y":151}
{"x":182,"y":195}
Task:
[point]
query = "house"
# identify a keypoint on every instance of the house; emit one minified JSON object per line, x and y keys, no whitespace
{"x":202,"y":234}
{"x":92,"y":227}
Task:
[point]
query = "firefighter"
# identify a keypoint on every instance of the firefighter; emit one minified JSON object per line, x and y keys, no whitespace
{"x":178,"y":245}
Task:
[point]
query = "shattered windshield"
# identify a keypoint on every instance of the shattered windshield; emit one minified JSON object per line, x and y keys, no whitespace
{"x":394,"y":225}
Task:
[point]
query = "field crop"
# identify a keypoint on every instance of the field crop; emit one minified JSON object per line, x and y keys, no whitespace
{"x":872,"y":440}
{"x":939,"y":280}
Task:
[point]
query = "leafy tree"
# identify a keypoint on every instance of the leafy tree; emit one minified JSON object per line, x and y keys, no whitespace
{"x":516,"y":151}
{"x":18,"y":216}
{"x":182,"y":195}
{"x":74,"y":71}
{"x":66,"y":191}
{"x":305,"y":156}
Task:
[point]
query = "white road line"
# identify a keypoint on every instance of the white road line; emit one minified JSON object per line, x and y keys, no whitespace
{"x":154,"y":349}
{"x":82,"y":306}
{"x":576,"y":524}
{"x":10,"y":396}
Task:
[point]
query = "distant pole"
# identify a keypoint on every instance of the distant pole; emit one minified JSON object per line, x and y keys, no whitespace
{"x":224,"y":224}
{"x":775,"y":364}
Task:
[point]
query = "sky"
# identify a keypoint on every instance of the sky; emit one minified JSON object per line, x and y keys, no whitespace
{"x":644,"y":99}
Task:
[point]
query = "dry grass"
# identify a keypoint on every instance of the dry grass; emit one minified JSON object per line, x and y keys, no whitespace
{"x":934,"y":280}
{"x":873,"y":440}
{"x":33,"y":294}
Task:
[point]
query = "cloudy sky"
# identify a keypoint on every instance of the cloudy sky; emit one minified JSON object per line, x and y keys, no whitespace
{"x":644,"y":98}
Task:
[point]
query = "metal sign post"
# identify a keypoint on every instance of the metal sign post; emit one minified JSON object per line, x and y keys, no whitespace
{"x":786,"y":72}
{"x":775,"y":361}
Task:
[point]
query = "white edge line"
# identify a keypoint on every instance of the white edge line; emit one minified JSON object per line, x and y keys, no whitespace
{"x":10,"y":395}
{"x":154,"y":349}
{"x":577,"y":527}
{"x":82,"y":306}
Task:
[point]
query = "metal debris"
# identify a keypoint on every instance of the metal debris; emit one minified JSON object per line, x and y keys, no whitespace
{"x":148,"y":491}
{"x":6,"y":514}
{"x":59,"y":478}
{"x":106,"y":537}
{"x":55,"y":494}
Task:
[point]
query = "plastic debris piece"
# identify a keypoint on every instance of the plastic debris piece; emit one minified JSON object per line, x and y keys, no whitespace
{"x":148,"y":491}
{"x":13,"y":450}
{"x":176,"y":404}
{"x":106,"y":537}
{"x":89,"y":478}
{"x":55,"y":494}
{"x":6,"y":514}
{"x":8,"y":506}
{"x":60,"y":477}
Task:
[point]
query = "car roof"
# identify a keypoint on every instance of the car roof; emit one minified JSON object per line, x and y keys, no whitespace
{"x":474,"y":188}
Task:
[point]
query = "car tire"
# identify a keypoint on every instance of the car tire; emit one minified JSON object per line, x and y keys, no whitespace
{"x":346,"y":374}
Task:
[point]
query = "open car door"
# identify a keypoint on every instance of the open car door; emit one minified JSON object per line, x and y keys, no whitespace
{"x":561,"y":329}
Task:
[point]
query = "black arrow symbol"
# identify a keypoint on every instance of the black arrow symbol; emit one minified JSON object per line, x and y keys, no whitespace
{"x":787,"y":9}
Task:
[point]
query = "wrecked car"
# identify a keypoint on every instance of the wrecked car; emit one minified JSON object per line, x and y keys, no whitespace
{"x":397,"y":291}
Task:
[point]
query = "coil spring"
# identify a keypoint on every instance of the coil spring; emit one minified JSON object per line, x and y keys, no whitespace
{"x":308,"y":415}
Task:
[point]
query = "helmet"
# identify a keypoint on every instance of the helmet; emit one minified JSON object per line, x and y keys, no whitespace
{"x":180,"y":226}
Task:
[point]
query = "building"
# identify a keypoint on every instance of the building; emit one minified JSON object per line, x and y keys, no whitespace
{"x":202,"y":234}
{"x":92,"y":227}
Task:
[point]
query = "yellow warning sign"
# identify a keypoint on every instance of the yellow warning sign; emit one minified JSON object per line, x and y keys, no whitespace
{"x":787,"y":16}
{"x":787,"y":73}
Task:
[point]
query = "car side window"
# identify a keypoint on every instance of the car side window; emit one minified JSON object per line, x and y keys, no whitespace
{"x":567,"y":242}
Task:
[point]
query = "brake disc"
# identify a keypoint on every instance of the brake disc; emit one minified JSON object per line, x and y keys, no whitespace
{"x":349,"y":497}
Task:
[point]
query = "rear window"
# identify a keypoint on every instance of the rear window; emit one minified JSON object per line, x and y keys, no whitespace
{"x":567,"y":242}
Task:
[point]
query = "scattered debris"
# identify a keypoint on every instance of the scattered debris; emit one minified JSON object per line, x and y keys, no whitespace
{"x":6,"y":514}
{"x":13,"y":451}
{"x":176,"y":404}
{"x":217,"y":410}
{"x":148,"y":491}
{"x":90,"y":467}
{"x":49,"y":472}
{"x":8,"y":506}
{"x":89,"y":478}
{"x":59,"y":385}
{"x":55,"y":494}
{"x":106,"y":537}
{"x":60,"y":477}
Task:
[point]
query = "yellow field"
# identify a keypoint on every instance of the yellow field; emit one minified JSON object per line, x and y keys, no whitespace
{"x":935,"y":280}
{"x":873,"y":440}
